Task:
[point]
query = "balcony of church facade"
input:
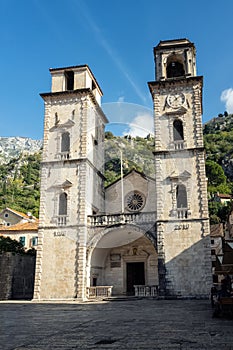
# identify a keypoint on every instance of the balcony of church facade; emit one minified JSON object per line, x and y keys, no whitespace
{"x":121,"y":218}
{"x":64,"y":155}
{"x":182,"y":213}
{"x":61,"y":220}
{"x":179,"y":145}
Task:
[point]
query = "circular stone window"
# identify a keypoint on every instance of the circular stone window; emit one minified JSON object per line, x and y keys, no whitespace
{"x":135,"y":201}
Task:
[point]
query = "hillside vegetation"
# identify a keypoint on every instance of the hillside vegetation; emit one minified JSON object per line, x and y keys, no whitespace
{"x":218,"y":140}
{"x":20,"y":184}
{"x":20,"y":177}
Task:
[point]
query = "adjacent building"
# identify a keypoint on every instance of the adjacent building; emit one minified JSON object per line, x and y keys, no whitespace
{"x":19,"y":226}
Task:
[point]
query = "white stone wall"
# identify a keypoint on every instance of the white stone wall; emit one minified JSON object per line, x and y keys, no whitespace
{"x":190,"y":114}
{"x":116,"y":276}
{"x":83,"y":79}
{"x":172,"y":167}
{"x":165,"y":50}
{"x":56,"y":265}
{"x":61,"y":258}
{"x":187,"y":257}
{"x":131,"y":182}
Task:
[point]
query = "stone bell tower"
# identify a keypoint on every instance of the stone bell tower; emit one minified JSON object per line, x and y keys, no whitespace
{"x":181,"y":191}
{"x":71,"y":181}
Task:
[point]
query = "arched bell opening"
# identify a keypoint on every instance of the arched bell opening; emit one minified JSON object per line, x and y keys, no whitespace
{"x":175,"y":66}
{"x":124,"y":258}
{"x":178,"y":131}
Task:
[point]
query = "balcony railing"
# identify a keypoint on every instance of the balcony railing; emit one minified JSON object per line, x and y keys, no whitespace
{"x":61,"y":220}
{"x":126,"y":218}
{"x":64,"y":155}
{"x":182,"y":213}
{"x":99,"y":292}
{"x":146,"y":291}
{"x":179,"y":145}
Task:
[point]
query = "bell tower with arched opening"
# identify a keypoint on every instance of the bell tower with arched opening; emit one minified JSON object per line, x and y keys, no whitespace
{"x":181,"y":191}
{"x":71,"y":181}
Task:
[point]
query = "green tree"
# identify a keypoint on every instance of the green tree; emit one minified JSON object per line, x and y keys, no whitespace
{"x":11,"y":245}
{"x":109,"y":135}
{"x":215,"y":174}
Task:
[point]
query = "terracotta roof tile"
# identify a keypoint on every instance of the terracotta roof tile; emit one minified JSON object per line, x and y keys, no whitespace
{"x":223,"y":195}
{"x":26,"y":226}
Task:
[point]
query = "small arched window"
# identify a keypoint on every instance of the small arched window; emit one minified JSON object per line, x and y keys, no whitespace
{"x":65,"y":142}
{"x":175,"y":69}
{"x":181,"y":197}
{"x":178,"y":132}
{"x":62,"y":204}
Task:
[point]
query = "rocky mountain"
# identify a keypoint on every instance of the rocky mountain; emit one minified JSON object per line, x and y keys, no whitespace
{"x":12,"y":147}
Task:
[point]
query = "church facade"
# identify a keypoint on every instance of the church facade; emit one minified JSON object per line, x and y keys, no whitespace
{"x":140,"y":234}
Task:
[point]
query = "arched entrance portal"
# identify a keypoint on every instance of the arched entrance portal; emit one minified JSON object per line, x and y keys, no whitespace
{"x":123,"y":257}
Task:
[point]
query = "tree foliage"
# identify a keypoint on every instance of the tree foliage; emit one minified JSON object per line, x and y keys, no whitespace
{"x":218,"y":140}
{"x":215,"y":173}
{"x":11,"y":245}
{"x":136,"y":153}
{"x":19,"y":184}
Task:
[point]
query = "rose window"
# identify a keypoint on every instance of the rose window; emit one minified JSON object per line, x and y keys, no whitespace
{"x":135,"y":201}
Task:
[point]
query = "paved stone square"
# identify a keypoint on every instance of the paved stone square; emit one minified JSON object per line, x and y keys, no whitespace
{"x":128,"y":324}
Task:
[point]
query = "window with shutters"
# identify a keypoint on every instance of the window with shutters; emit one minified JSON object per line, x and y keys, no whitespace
{"x":22,"y":240}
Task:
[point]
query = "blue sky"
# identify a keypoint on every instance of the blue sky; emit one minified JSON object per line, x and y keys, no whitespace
{"x":116,"y":39}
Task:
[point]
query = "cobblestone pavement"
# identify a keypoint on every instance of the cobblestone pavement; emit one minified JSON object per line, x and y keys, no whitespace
{"x":128,"y":324}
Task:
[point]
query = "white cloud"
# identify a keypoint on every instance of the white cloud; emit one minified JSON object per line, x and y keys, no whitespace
{"x":227,"y":98}
{"x":121,"y":99}
{"x":141,"y":125}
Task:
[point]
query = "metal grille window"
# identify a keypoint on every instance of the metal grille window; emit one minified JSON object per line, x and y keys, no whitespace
{"x":135,"y":201}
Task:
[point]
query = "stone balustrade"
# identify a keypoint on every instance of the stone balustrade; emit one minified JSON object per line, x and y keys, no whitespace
{"x":182,"y":213}
{"x":146,"y":291}
{"x":64,"y":155}
{"x":125,"y":218}
{"x":61,"y":220}
{"x":179,"y":145}
{"x":99,"y":292}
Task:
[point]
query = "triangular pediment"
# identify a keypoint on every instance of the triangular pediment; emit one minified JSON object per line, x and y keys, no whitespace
{"x":185,"y":174}
{"x":68,"y":124}
{"x":179,"y":111}
{"x":132,"y":173}
{"x":65,"y":184}
{"x":176,"y":176}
